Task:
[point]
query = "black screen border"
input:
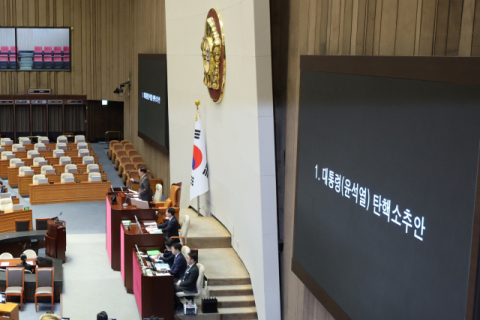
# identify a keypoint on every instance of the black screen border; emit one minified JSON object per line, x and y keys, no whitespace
{"x":165,"y":149}
{"x":42,"y":70}
{"x":459,"y":70}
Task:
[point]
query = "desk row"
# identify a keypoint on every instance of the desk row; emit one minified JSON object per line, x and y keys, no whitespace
{"x":5,"y":165}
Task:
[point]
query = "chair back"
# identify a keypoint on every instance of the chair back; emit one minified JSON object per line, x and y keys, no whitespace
{"x":66,"y":175}
{"x":158,"y":192}
{"x":128,"y":167}
{"x":137,"y":159}
{"x":38,"y":177}
{"x":117,"y":147}
{"x":32,"y":154}
{"x":24,"y":140}
{"x":5,"y":153}
{"x":83,"y":153}
{"x":43,"y":140}
{"x":22,"y":225}
{"x":30,"y":254}
{"x":15,"y":277}
{"x":89,"y":159}
{"x":91,"y":176}
{"x":132,"y":153}
{"x":5,"y":141}
{"x":43,"y":169}
{"x":61,"y":146}
{"x":79,"y":138}
{"x":175,"y":192}
{"x":18,"y":147}
{"x":112,"y":142}
{"x":93,"y":168}
{"x":201,"y":274}
{"x":124,"y":160}
{"x":139,"y":165}
{"x":70,"y":166}
{"x":45,"y":277}
{"x":129,"y":146}
{"x":186,"y":224}
{"x":65,"y":160}
{"x":6,"y":204}
{"x":21,"y":170}
{"x":134,"y":175}
{"x":61,"y":139}
{"x":41,"y":223}
{"x":185,"y":251}
{"x":39,"y":146}
{"x":82,"y":145}
{"x":37,"y":160}
{"x":13,"y":161}
{"x":121,"y":153}
{"x":6,"y":255}
{"x":123,"y":142}
{"x":58,"y":153}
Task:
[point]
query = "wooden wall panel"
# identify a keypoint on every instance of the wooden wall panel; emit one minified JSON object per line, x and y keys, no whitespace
{"x":106,"y":39}
{"x":354,"y":27}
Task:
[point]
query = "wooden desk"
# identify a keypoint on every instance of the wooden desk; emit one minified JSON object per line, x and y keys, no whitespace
{"x":153,"y":294}
{"x":16,"y":200}
{"x":7,"y":219}
{"x":10,"y":308}
{"x":24,"y":181}
{"x":130,"y":238}
{"x":14,"y":262}
{"x":68,"y":192}
{"x":115,"y":213}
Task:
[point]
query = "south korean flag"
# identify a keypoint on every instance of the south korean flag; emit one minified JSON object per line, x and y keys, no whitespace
{"x":199,"y":179}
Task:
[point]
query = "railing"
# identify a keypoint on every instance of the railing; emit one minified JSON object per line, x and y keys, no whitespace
{"x":118,"y":133}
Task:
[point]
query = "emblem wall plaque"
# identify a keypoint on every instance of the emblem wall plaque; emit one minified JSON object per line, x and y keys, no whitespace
{"x":213,"y":52}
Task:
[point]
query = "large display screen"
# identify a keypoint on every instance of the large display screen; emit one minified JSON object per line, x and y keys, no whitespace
{"x":386,"y":187}
{"x":152,"y":99}
{"x":35,"y":49}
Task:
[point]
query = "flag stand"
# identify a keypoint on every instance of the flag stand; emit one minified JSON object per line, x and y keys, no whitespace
{"x":198,"y":206}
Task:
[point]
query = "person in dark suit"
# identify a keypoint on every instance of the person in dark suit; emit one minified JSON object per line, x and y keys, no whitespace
{"x":2,"y":188}
{"x":179,"y":263}
{"x":144,"y":190}
{"x":189,"y":281}
{"x":167,"y":256}
{"x":170,"y":228}
{"x":24,"y":263}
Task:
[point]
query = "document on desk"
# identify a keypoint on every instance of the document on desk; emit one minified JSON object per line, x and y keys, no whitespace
{"x":150,"y":224}
{"x":162,"y":265}
{"x":4,"y":264}
{"x":30,"y":263}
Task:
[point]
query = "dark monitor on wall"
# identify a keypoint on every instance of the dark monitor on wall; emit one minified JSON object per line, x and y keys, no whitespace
{"x":386,"y":216}
{"x":152,"y":100}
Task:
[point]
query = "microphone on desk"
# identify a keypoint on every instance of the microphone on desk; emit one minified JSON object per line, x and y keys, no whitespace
{"x":56,"y":218}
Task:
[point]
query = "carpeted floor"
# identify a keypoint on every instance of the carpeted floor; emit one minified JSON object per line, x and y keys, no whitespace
{"x":90,"y":286}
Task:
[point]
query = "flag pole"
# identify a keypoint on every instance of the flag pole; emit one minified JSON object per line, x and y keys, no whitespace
{"x":197,"y":103}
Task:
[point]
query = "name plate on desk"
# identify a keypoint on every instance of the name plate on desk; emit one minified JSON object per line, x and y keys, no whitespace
{"x":69,"y":179}
{"x":2,"y":149}
{"x":50,"y":171}
{"x":9,"y":156}
{"x":42,"y":181}
{"x":22,"y":148}
{"x":5,"y":195}
{"x":19,"y":164}
{"x":96,"y":179}
{"x":89,"y":161}
{"x":43,"y":163}
{"x":7,"y":142}
{"x":28,"y":173}
{"x":34,"y":154}
{"x":17,"y":207}
{"x":72,"y":170}
{"x":42,"y":141}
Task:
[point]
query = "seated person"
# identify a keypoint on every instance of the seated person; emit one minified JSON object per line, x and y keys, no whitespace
{"x":24,"y":263}
{"x":2,"y":188}
{"x":167,"y":256}
{"x":189,"y":281}
{"x":170,"y":228}
{"x":179,"y":263}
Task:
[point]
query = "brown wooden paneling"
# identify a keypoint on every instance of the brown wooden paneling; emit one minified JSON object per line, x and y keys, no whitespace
{"x":101,"y":119}
{"x":356,"y":27}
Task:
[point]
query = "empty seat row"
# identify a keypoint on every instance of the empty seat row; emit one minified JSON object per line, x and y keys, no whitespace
{"x":66,"y":178}
{"x":8,"y":58}
{"x":48,"y":169}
